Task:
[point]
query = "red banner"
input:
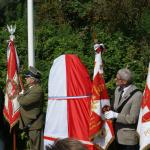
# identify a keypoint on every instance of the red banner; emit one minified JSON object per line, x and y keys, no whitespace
{"x":101,"y":130}
{"x":11,"y":107}
{"x":143,"y":127}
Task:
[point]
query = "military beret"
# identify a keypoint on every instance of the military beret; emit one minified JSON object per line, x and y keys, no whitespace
{"x":33,"y":72}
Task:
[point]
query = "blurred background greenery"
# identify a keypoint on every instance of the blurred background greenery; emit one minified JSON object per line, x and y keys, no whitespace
{"x":66,"y":26}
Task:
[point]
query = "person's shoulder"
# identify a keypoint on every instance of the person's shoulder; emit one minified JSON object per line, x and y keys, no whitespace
{"x":136,"y":90}
{"x":134,"y":87}
{"x":117,"y":89}
{"x":38,"y":88}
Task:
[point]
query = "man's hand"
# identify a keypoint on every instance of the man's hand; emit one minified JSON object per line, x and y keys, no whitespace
{"x":21,"y":92}
{"x":110,"y":114}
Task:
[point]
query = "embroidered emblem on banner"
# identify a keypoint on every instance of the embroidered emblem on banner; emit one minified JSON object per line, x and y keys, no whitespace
{"x":11,"y":89}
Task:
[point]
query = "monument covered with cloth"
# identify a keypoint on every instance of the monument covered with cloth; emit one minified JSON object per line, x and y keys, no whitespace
{"x":68,"y":111}
{"x":76,"y":105}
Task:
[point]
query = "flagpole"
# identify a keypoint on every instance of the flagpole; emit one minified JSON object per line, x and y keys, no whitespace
{"x":14,"y":139}
{"x":31,"y":61}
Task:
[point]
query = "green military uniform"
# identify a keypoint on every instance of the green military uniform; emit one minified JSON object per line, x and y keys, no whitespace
{"x":31,"y":114}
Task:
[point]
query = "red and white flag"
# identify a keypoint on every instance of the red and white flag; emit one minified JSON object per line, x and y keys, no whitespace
{"x":11,"y":106}
{"x":143,"y":127}
{"x":101,"y":130}
{"x":69,"y":96}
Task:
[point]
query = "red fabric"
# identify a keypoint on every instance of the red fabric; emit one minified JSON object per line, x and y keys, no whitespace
{"x":90,"y":147}
{"x":50,"y":138}
{"x":99,"y":104}
{"x":146,"y":98}
{"x":96,"y":123}
{"x":98,"y":88}
{"x":78,"y":109}
{"x":9,"y":114}
{"x":99,"y":92}
{"x":12,"y":62}
{"x":146,"y":103}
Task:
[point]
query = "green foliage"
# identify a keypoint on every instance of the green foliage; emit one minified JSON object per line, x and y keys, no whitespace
{"x":66,"y":27}
{"x":73,"y":35}
{"x":3,"y":57}
{"x":146,"y":20}
{"x":121,"y":15}
{"x":78,"y":12}
{"x":123,"y":52}
{"x":53,"y":40}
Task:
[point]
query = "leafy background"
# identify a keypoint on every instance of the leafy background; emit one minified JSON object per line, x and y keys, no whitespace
{"x":66,"y":26}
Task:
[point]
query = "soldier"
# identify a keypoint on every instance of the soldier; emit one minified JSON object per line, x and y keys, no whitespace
{"x":31,"y":111}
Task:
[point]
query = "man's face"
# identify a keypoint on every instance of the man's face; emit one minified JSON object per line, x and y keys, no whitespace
{"x":119,"y":81}
{"x":29,"y":80}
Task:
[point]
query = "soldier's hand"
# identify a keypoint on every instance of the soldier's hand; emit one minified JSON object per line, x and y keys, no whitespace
{"x":22,"y":92}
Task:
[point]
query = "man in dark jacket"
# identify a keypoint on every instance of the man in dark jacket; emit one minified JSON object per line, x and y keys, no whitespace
{"x":31,"y":111}
{"x":126,"y":111}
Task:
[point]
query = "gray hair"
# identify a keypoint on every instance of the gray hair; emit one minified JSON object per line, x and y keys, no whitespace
{"x":125,"y":74}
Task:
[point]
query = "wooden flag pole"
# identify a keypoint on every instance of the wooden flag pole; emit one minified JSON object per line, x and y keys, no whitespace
{"x":21,"y":83}
{"x":14,"y":139}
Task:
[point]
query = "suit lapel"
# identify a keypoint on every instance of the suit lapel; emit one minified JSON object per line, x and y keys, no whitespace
{"x":126,"y":95}
{"x":116,"y":104}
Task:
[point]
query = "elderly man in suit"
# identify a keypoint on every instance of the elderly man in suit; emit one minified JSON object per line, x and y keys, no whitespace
{"x":125,"y":112}
{"x":31,"y":111}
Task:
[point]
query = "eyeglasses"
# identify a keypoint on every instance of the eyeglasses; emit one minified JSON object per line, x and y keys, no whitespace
{"x":117,"y":78}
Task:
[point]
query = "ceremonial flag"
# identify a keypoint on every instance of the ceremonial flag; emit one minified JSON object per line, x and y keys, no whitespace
{"x":69,"y":96}
{"x":143,"y":127}
{"x":101,"y":130}
{"x":11,"y":106}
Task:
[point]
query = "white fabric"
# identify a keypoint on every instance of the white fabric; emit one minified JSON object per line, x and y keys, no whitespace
{"x":21,"y":92}
{"x":102,"y":141}
{"x":148,"y":77}
{"x":99,"y":105}
{"x":99,"y":65}
{"x":125,"y":90}
{"x":110,"y":114}
{"x":143,"y":128}
{"x":96,"y":46}
{"x":107,"y":137}
{"x":14,"y":101}
{"x":67,"y":97}
{"x":56,"y":73}
{"x":56,"y":123}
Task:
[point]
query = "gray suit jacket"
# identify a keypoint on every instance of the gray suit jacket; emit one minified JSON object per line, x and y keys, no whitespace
{"x":126,"y":134}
